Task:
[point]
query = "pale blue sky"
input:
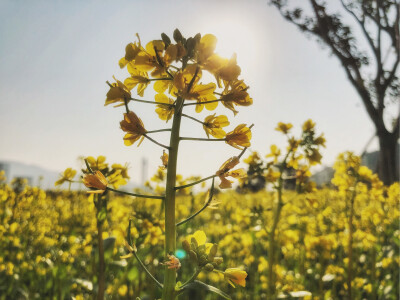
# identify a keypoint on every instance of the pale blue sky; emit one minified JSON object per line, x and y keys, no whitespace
{"x":55,"y":57}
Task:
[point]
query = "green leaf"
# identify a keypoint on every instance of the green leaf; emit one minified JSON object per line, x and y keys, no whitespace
{"x":198,"y":285}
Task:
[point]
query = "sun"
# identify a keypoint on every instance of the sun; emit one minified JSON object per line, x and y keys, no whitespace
{"x":243,"y":38}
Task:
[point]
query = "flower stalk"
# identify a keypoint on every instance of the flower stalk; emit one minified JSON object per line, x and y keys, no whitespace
{"x":169,"y":210}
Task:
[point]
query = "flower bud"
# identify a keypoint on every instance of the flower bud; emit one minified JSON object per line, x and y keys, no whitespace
{"x":177,"y":35}
{"x":186,"y":246}
{"x":218,"y":260}
{"x":202,"y":260}
{"x":194,"y":243}
{"x":193,"y":256}
{"x":209,"y":267}
{"x":213,"y":252}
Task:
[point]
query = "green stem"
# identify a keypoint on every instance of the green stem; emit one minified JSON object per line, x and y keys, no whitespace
{"x":101,"y":279}
{"x":136,"y":195}
{"x":126,"y":105}
{"x":205,"y":102}
{"x":272,"y":242}
{"x":350,"y":246}
{"x":194,"y":276}
{"x":200,"y":139}
{"x":170,"y":227}
{"x":155,"y":142}
{"x":203,"y":208}
{"x":194,"y":119}
{"x":149,"y":102}
{"x":147,"y":271}
{"x":194,"y":183}
{"x":158,"y":130}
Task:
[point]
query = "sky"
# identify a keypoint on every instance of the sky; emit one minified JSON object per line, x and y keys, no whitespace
{"x":55,"y":57}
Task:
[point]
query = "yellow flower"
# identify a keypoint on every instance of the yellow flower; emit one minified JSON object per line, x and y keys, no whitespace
{"x":150,"y":59}
{"x":201,"y":239}
{"x":118,"y":93}
{"x":123,"y":170}
{"x":131,"y":51}
{"x":134,"y":127}
{"x":235,"y":275}
{"x":229,"y":71}
{"x":116,"y":179}
{"x":206,"y":47}
{"x":156,"y":58}
{"x":98,"y":163}
{"x":213,"y":125}
{"x":222,"y":68}
{"x":275,"y":153}
{"x":164,"y":159}
{"x":272,"y":175}
{"x":68,"y":175}
{"x":122,"y":290}
{"x":284,"y":127}
{"x":186,"y":79}
{"x":138,"y":78}
{"x":235,"y":93}
{"x":165,"y":112}
{"x":313,"y":156}
{"x":320,"y":141}
{"x":308,"y":125}
{"x":96,"y":181}
{"x":293,"y":144}
{"x":224,"y":171}
{"x":240,"y":137}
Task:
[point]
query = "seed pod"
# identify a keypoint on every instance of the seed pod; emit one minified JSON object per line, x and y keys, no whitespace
{"x":186,"y":245}
{"x":209,"y":267}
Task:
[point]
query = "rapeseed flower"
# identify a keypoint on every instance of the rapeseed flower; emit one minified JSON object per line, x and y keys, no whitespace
{"x":213,"y":125}
{"x":118,"y":93}
{"x":68,"y":175}
{"x":134,"y":127}
{"x":96,"y":181}
{"x":164,"y":111}
{"x":225,"y":171}
{"x":240,"y":137}
{"x":235,"y":275}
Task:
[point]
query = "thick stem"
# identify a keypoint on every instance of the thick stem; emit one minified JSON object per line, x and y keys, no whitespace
{"x":170,"y":227}
{"x":272,"y":243}
{"x":350,"y":246}
{"x":101,"y":271}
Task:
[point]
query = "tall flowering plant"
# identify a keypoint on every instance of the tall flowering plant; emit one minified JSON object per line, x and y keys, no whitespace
{"x":176,"y":70}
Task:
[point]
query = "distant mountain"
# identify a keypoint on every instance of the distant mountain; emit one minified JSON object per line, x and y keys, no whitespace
{"x":34,"y":174}
{"x":38,"y":176}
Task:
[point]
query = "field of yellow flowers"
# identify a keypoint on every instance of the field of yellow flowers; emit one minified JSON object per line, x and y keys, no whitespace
{"x":48,"y":241}
{"x":277,"y":236}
